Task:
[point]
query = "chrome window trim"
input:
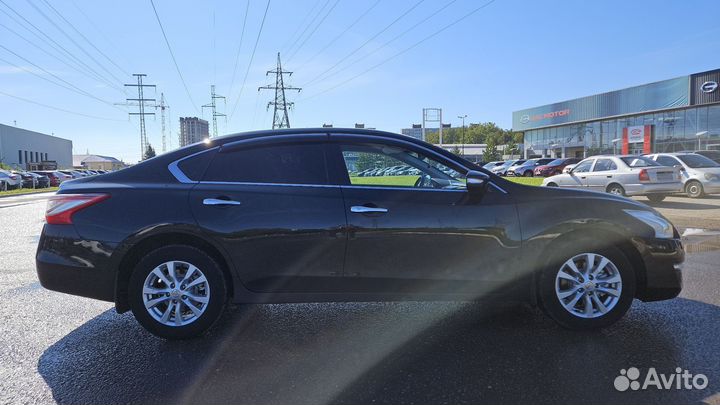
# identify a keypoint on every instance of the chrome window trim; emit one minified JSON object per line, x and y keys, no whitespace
{"x":498,"y":188}
{"x":249,"y":183}
{"x":277,"y":138}
{"x":178,"y":174}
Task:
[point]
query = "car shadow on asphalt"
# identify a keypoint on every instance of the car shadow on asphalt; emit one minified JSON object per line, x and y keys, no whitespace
{"x":390,"y":353}
{"x":682,"y":205}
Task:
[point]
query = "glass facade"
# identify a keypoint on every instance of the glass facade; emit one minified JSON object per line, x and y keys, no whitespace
{"x":691,"y":128}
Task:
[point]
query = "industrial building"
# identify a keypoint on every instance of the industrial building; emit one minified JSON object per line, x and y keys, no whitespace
{"x":30,"y":150}
{"x":666,"y":116}
{"x":193,"y":130}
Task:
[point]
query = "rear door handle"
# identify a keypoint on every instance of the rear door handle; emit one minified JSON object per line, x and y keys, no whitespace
{"x":609,"y":177}
{"x":363,"y":209}
{"x":218,"y":201}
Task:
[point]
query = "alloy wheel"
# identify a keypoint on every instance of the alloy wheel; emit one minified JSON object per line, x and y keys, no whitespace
{"x":588,"y":285}
{"x":176,"y":293}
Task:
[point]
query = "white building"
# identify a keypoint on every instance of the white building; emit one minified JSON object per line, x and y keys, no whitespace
{"x":20,"y":148}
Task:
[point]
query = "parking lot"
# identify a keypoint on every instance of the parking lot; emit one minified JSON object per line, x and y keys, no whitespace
{"x":65,"y":349}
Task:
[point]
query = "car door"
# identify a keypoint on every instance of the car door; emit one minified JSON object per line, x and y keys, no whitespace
{"x":601,"y":175}
{"x":577,"y":178}
{"x":268,"y":203}
{"x":420,"y":234}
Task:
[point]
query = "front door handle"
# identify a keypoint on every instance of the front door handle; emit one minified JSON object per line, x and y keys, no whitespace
{"x":609,"y":177}
{"x":363,"y":209}
{"x":218,"y":201}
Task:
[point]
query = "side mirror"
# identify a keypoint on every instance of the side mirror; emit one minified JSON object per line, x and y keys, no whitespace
{"x":477,"y":183}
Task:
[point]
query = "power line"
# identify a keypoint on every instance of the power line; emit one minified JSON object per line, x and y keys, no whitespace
{"x":237,"y":54}
{"x":55,"y":45}
{"x":252,"y":56}
{"x":348,"y":28}
{"x":395,"y":38}
{"x":280,"y":104}
{"x":59,"y":109}
{"x":73,"y":67}
{"x":90,"y":21}
{"x":366,"y":42}
{"x":402,"y":51}
{"x":302,"y":24}
{"x":313,"y":31}
{"x":80,"y":47}
{"x":86,"y":39}
{"x":141,"y":109}
{"x":310,"y":24}
{"x":187,"y":91}
{"x":213,"y":108}
{"x":67,"y":85}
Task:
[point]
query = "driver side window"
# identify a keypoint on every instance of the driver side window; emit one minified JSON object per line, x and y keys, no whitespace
{"x":389,"y":166}
{"x":583,"y":166}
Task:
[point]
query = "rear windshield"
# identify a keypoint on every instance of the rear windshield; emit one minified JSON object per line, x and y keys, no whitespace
{"x":697,"y":161}
{"x":556,"y":162}
{"x":639,"y":161}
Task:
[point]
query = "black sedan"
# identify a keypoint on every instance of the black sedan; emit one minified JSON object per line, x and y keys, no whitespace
{"x":282,"y":216}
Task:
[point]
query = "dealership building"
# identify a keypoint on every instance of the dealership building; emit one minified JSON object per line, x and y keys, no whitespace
{"x":671,"y":115}
{"x":30,"y":150}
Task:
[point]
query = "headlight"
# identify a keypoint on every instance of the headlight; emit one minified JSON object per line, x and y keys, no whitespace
{"x":711,"y":176}
{"x":663,"y":228}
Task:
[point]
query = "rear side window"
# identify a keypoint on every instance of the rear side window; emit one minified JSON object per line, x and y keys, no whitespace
{"x":194,"y":167}
{"x":667,"y":161}
{"x":281,"y":164}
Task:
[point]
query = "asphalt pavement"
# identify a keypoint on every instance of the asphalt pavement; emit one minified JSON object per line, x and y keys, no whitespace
{"x":71,"y":350}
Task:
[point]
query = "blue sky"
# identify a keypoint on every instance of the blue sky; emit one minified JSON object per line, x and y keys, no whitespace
{"x":508,"y":56}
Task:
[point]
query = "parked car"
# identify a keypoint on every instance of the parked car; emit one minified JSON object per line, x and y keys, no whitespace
{"x":713,"y":155}
{"x":490,"y":165}
{"x":700,"y":175}
{"x":28,"y":180}
{"x":56,"y":178}
{"x":502,"y":169}
{"x":554,"y":167}
{"x":42,"y":180}
{"x":74,"y":174}
{"x":527,"y":169}
{"x":12,"y":181}
{"x":271,"y":216}
{"x":622,"y":175}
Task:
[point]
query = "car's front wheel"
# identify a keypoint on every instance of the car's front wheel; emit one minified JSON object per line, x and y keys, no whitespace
{"x":591,"y":288}
{"x":177,"y":292}
{"x":694,"y":189}
{"x":528,"y":173}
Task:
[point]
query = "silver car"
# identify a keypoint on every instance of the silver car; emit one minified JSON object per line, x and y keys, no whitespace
{"x":700,"y":174}
{"x":10,"y":180}
{"x":623,"y":175}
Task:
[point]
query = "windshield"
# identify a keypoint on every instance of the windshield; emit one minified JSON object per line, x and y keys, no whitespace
{"x":639,"y":161}
{"x":697,"y":161}
{"x":557,"y":162}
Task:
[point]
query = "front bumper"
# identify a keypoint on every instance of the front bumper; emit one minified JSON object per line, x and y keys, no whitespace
{"x":69,"y":264}
{"x":662,"y":259}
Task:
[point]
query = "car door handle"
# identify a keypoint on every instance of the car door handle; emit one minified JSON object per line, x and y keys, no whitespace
{"x":363,"y":209}
{"x":583,"y":177}
{"x":609,"y":177}
{"x":218,"y":201}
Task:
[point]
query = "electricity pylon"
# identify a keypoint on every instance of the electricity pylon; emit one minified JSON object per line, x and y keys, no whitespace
{"x":280,"y":113}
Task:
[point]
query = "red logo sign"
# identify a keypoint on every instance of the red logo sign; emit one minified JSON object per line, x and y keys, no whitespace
{"x":636,"y":131}
{"x":553,"y":114}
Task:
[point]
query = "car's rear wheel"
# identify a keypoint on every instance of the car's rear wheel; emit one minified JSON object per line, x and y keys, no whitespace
{"x":616,"y":189}
{"x":528,"y":173}
{"x":590,"y":288}
{"x":177,"y":292}
{"x":694,"y":189}
{"x":656,"y":197}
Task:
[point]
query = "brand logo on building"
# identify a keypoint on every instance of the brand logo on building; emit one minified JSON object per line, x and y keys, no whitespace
{"x":525,"y":119}
{"x":708,"y":87}
{"x":636,"y":134}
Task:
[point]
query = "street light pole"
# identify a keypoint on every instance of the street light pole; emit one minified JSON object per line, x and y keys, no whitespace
{"x":463,"y":133}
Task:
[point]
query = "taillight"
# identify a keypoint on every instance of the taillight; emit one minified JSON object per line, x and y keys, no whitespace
{"x":61,"y":207}
{"x":643,"y":175}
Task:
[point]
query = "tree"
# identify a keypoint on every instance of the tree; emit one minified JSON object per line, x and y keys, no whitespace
{"x":490,"y":153}
{"x":149,"y":152}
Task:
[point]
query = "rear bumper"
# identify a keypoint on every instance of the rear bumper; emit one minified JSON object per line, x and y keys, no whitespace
{"x":658,"y":188}
{"x":662,"y":259}
{"x":68,"y":264}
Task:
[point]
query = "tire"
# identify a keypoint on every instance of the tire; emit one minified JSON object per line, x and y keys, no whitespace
{"x":616,"y":189}
{"x":551,"y":286}
{"x":694,"y":189}
{"x":161,"y":319}
{"x":528,"y":173}
{"x":656,"y":197}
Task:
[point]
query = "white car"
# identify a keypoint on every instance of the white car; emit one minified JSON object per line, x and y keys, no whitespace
{"x":623,"y":175}
{"x":700,"y":174}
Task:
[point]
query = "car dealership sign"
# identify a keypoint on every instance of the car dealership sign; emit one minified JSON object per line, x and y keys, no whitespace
{"x":636,"y":134}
